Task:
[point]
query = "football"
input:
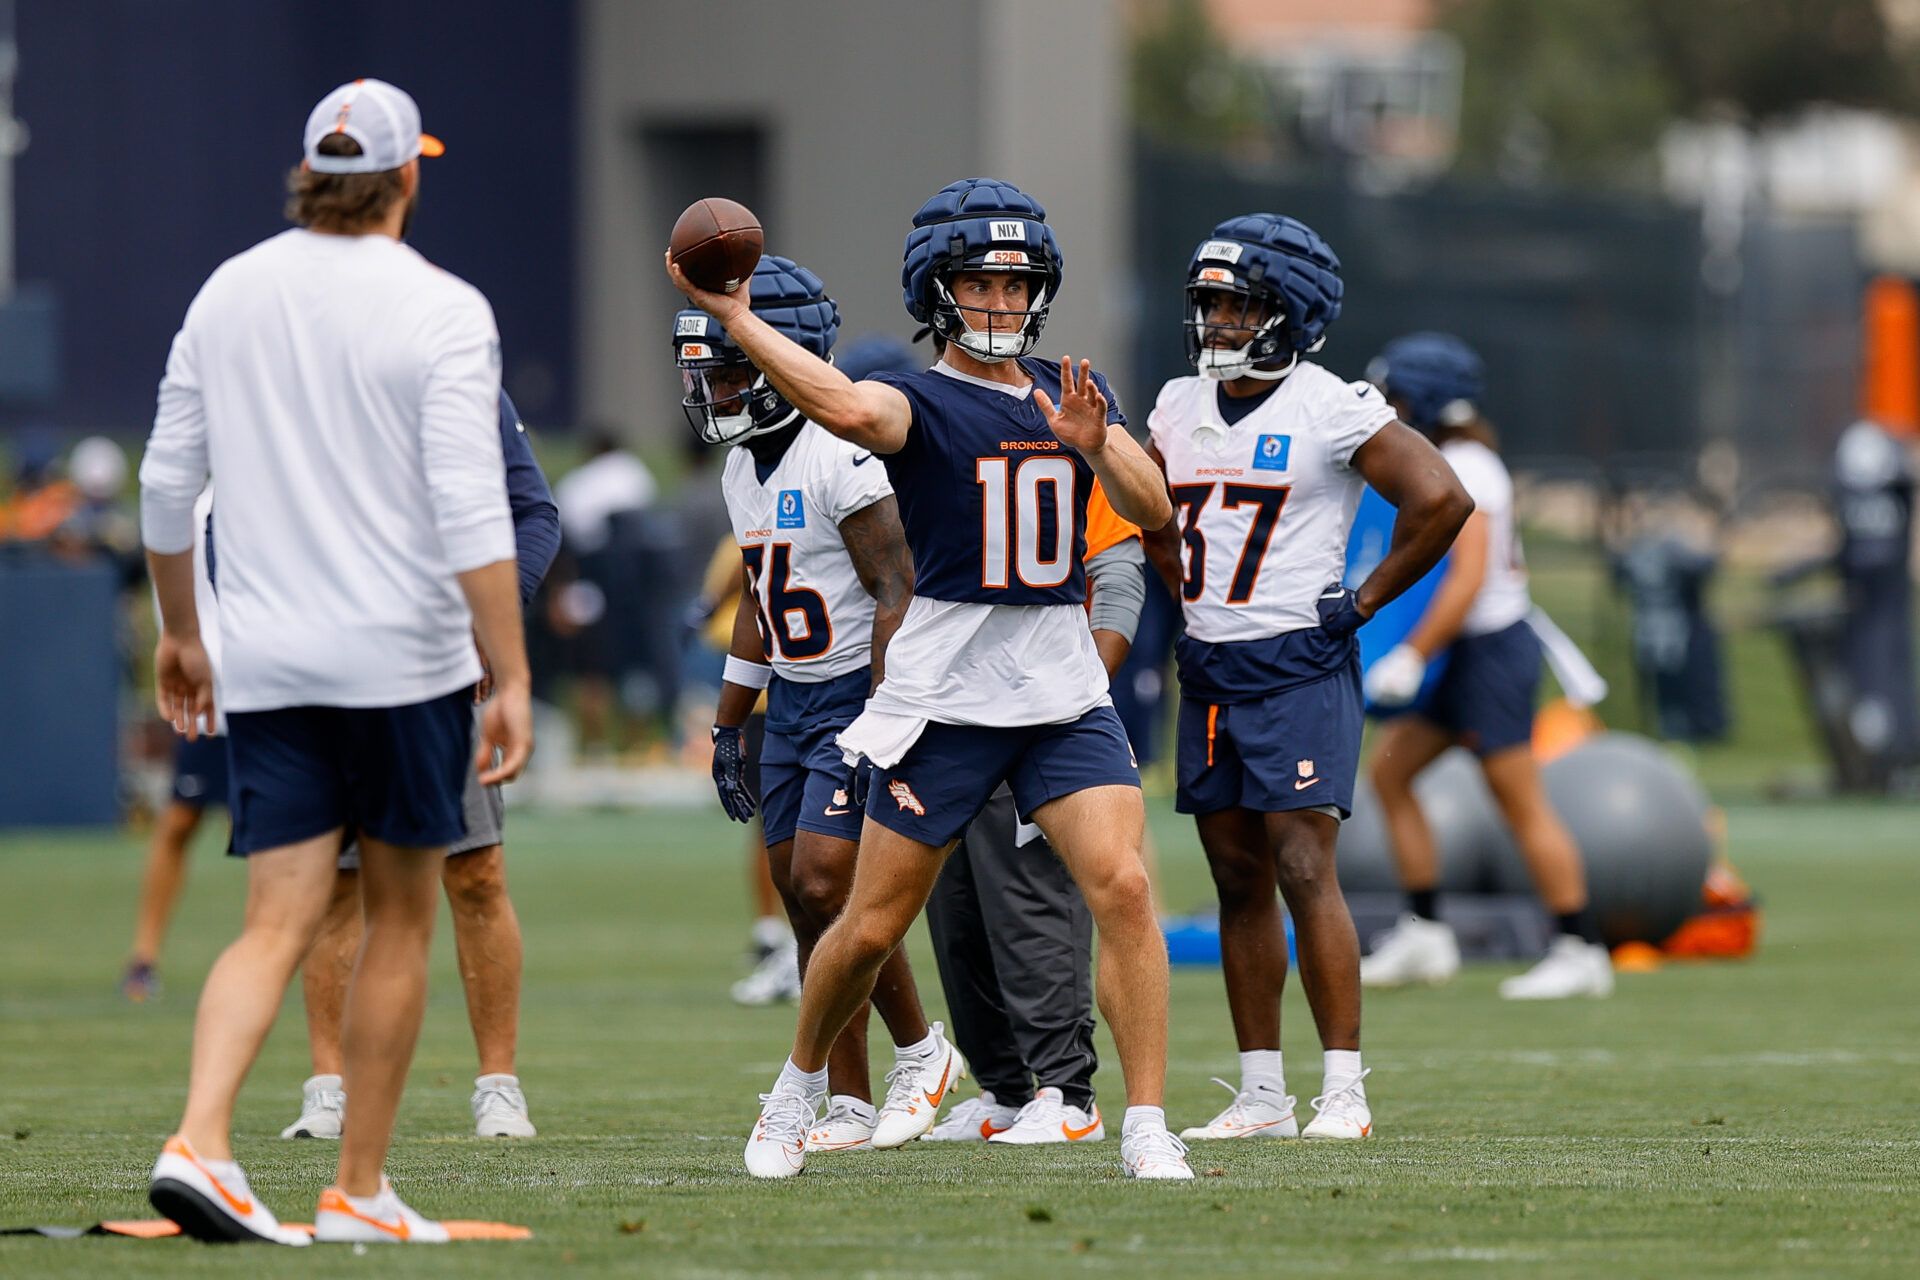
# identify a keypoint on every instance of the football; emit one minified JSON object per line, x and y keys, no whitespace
{"x":716,"y":242}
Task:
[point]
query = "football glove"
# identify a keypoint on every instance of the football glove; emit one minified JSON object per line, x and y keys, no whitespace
{"x":730,"y":772}
{"x":1394,"y":680}
{"x":1340,"y":611}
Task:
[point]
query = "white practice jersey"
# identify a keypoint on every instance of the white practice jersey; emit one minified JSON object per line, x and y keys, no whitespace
{"x":815,"y":615}
{"x":1264,"y":505}
{"x":1503,"y":598}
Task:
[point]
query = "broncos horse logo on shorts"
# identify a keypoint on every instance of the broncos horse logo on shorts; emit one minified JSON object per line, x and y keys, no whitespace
{"x":903,"y":796}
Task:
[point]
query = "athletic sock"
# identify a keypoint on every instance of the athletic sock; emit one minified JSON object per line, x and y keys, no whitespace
{"x":1143,"y":1117}
{"x":1260,"y":1069}
{"x":860,"y":1107}
{"x":812,"y":1083}
{"x":1579,"y":924}
{"x":1342,"y":1066}
{"x":770,"y":933}
{"x":920,"y":1051}
{"x":1424,"y":903}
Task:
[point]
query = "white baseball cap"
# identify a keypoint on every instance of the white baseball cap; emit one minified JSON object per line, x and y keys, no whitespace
{"x":381,"y":117}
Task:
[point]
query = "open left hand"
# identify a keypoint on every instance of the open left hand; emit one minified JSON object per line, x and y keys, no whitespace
{"x":1080,"y":420}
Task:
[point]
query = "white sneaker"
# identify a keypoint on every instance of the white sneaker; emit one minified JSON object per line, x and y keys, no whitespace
{"x":381,"y":1219}
{"x":500,"y":1108}
{"x":774,"y":979}
{"x":1253,"y":1113}
{"x":1048,"y":1118}
{"x":323,"y":1108}
{"x":777,"y":1147}
{"x":210,"y":1200}
{"x":1151,"y":1152}
{"x":1414,"y":950}
{"x":1342,"y":1112}
{"x":847,"y":1126}
{"x":915,"y":1089}
{"x":974,"y":1120}
{"x":1571,"y":967}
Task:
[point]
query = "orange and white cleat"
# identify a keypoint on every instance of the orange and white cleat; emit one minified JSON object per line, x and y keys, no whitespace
{"x":1253,"y":1113}
{"x":210,"y":1200}
{"x":973,"y":1120}
{"x":377,"y":1219}
{"x":1049,"y":1118}
{"x":916,"y":1086}
{"x":847,"y":1126}
{"x":1153,"y":1154}
{"x":1342,"y":1112}
{"x":777,"y":1147}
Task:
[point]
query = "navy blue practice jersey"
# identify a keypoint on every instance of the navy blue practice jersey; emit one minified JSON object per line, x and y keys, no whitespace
{"x":993,"y":504}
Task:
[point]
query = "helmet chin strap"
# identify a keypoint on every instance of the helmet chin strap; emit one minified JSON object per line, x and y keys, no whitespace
{"x":985,"y":345}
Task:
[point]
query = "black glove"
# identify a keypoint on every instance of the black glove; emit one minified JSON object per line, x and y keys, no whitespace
{"x":1340,"y":611}
{"x":730,"y":772}
{"x":862,"y":781}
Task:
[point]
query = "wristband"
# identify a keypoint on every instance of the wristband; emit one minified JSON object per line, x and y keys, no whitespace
{"x":748,"y":675}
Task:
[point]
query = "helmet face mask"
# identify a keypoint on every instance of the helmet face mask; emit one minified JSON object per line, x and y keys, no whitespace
{"x":987,"y":333}
{"x":1234,"y":331}
{"x":728,"y":400}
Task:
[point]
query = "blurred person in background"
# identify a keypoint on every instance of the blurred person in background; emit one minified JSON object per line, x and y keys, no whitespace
{"x":100,"y":525}
{"x":342,"y":392}
{"x":42,"y":498}
{"x":1012,"y":933}
{"x":611,"y":483}
{"x":1266,"y":454}
{"x":1483,"y":701}
{"x":486,"y":929}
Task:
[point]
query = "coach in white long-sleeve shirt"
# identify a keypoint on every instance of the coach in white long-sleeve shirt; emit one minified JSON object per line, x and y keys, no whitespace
{"x":343,"y":392}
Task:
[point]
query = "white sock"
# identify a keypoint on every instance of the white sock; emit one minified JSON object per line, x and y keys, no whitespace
{"x":498,"y":1080}
{"x":857,"y":1106}
{"x":772,"y":933}
{"x":1260,"y":1069}
{"x":1143,"y":1117}
{"x":924,"y":1049}
{"x":331,"y":1083}
{"x":1342,"y":1067}
{"x":812,"y":1083}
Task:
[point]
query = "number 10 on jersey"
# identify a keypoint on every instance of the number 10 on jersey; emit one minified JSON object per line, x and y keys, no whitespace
{"x":1006,"y":488}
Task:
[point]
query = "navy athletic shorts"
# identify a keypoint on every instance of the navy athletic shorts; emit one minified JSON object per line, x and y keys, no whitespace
{"x":393,"y":773}
{"x":947,"y":775}
{"x":200,"y":772}
{"x":805,"y":783}
{"x":1295,"y":749}
{"x":1485,"y":696}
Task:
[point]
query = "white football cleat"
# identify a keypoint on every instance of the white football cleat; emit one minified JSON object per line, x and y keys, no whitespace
{"x":1414,"y":950}
{"x":1253,"y":1113}
{"x":1341,"y":1112}
{"x":1151,"y":1152}
{"x":1571,"y":967}
{"x":379,"y":1219}
{"x":973,"y":1120}
{"x":777,"y":1147}
{"x":847,"y":1126}
{"x":323,"y":1108}
{"x":915,"y":1089}
{"x":774,"y":979}
{"x":1048,"y":1118}
{"x":500,"y":1108}
{"x":210,"y":1200}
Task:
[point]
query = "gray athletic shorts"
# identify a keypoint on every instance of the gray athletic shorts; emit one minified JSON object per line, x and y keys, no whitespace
{"x":483,"y":808}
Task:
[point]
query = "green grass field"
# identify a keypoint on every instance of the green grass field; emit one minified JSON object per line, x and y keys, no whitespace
{"x":1712,"y":1120}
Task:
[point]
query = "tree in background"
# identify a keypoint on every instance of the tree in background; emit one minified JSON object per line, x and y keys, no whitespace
{"x":1580,"y":90}
{"x":1188,"y":86}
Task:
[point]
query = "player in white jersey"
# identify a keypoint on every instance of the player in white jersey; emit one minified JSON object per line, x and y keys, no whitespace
{"x":1482,"y":700}
{"x":828,"y":577}
{"x":1265,"y":454}
{"x":343,"y":392}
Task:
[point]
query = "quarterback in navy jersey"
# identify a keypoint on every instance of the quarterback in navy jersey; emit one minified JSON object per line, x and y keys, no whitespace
{"x":993,"y":676}
{"x":1265,"y":453}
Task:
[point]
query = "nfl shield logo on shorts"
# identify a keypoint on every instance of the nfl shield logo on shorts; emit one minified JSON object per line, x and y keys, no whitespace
{"x":1270,"y":453}
{"x":792,"y":513}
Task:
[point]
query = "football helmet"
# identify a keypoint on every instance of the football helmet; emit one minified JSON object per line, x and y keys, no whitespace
{"x":727,"y":400}
{"x":1278,"y":267}
{"x":979,"y":224}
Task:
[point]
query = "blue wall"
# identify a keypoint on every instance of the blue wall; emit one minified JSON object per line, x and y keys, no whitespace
{"x":162,"y":131}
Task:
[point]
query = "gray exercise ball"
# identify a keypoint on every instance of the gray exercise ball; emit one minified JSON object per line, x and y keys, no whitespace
{"x":1641,"y":824}
{"x":1459,"y":810}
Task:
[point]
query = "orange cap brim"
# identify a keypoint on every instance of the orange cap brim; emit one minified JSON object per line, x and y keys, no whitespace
{"x":432,"y":146}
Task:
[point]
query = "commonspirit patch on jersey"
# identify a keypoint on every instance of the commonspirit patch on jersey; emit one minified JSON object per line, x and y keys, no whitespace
{"x":1270,"y":453}
{"x":792,"y":513}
